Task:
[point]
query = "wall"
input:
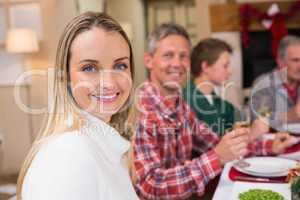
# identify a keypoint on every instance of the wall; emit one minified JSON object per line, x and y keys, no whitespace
{"x":132,"y":11}
{"x":16,"y":125}
{"x":90,"y":5}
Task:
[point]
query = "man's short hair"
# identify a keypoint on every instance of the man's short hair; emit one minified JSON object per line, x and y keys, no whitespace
{"x":163,"y":31}
{"x":209,"y":51}
{"x":285,"y":42}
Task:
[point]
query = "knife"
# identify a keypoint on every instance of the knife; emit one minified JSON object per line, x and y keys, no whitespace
{"x":243,"y":178}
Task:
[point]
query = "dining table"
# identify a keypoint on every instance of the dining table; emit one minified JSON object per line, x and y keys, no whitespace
{"x":225,"y":185}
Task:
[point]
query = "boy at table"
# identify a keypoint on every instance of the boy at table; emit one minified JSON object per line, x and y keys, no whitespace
{"x":210,"y":68}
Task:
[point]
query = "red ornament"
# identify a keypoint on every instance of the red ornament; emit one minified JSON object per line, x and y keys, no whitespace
{"x":278,"y":28}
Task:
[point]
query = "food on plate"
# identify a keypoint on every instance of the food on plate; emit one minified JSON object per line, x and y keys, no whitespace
{"x":293,"y":173}
{"x":260,"y":194}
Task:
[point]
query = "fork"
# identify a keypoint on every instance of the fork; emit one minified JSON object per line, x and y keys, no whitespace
{"x":241,"y":163}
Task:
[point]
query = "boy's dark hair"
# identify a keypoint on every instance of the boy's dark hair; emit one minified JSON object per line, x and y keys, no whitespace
{"x":207,"y":50}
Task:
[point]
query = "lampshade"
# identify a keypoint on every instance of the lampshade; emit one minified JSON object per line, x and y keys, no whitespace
{"x":21,"y":40}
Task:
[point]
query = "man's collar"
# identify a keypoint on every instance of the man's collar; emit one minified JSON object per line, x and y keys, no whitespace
{"x":167,"y":105}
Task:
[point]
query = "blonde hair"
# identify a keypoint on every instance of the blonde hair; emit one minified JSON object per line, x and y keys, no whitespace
{"x":64,"y":105}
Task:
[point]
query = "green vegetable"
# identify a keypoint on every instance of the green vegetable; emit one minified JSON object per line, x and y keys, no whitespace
{"x":259,"y":194}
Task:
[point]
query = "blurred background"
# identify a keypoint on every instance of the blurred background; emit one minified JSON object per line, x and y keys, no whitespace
{"x":29,"y":33}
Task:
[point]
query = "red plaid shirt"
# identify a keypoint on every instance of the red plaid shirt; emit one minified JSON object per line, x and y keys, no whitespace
{"x":165,"y":137}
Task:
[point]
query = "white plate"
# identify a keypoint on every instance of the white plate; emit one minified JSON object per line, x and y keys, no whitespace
{"x":281,"y":188}
{"x":293,"y":128}
{"x":267,"y":166}
{"x":292,"y":156}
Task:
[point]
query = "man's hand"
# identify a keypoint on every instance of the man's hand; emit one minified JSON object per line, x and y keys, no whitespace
{"x":283,"y":141}
{"x":233,"y":145}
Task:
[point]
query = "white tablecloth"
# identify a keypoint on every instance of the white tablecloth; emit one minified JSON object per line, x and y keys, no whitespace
{"x":225,"y":185}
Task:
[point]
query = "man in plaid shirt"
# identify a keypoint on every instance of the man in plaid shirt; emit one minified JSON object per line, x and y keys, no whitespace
{"x":168,"y":131}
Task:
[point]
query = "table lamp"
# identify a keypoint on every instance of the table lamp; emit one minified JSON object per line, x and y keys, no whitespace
{"x":20,"y":40}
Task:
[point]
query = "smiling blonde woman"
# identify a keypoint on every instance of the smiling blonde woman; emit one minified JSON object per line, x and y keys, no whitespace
{"x":78,"y":154}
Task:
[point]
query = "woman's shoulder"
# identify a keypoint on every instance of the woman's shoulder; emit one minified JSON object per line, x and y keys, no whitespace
{"x":69,"y":137}
{"x":62,"y":149}
{"x":68,"y":141}
{"x":62,"y":163}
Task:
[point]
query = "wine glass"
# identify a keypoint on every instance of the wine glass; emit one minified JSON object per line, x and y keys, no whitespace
{"x":243,"y":121}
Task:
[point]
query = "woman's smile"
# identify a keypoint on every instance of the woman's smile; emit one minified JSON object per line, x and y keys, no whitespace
{"x":106,"y":98}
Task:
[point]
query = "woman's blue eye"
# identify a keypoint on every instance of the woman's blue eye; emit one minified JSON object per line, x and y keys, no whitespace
{"x":89,"y":68}
{"x":121,"y":66}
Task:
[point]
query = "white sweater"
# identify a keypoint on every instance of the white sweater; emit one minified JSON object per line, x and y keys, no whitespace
{"x":86,"y":166}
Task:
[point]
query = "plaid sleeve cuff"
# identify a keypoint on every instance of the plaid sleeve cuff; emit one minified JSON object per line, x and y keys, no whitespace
{"x":261,"y":147}
{"x":207,"y":167}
